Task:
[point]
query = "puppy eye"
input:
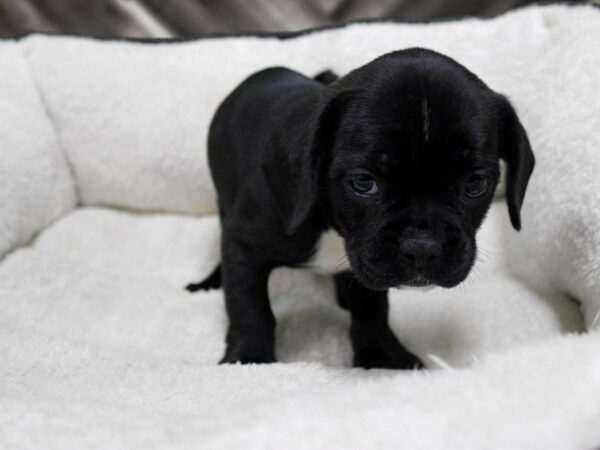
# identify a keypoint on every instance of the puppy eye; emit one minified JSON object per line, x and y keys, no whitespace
{"x":363,"y":184}
{"x":477,"y":185}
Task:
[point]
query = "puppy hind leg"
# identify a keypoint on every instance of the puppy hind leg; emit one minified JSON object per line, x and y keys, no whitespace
{"x":374,"y":343}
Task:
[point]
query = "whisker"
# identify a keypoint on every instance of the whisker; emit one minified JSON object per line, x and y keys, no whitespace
{"x":596,"y":319}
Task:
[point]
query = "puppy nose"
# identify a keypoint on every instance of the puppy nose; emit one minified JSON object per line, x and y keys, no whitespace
{"x":420,"y":251}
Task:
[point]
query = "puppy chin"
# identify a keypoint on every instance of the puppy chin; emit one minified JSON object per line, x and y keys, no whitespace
{"x":382,"y":282}
{"x":380,"y":279}
{"x":417,"y":284}
{"x":418,"y":281}
{"x":455,"y":276}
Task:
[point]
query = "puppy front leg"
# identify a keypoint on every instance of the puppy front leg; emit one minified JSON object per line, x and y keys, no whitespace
{"x":251,"y":334}
{"x":375,"y":345}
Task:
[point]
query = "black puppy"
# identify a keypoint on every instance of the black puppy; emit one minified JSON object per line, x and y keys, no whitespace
{"x":382,"y":176}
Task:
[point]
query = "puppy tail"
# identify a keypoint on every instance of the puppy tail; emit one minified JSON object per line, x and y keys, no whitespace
{"x":326,"y":77}
{"x":213,"y":281}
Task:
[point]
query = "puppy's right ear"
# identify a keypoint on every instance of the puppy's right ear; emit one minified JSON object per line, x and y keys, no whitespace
{"x":292,"y":162}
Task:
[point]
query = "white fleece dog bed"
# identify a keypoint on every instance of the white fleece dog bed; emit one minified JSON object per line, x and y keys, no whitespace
{"x":105,"y":216}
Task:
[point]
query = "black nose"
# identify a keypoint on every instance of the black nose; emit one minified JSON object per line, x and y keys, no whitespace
{"x":420,"y":251}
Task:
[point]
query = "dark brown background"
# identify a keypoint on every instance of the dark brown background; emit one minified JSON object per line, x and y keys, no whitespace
{"x":166,"y":18}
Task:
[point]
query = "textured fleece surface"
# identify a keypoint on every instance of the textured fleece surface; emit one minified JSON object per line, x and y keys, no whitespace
{"x":35,"y":184}
{"x":101,"y":347}
{"x":147,"y":106}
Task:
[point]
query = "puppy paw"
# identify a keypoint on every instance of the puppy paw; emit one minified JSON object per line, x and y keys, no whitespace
{"x":248,"y":353}
{"x":383,"y":351}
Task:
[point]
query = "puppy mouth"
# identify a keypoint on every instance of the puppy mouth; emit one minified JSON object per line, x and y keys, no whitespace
{"x":378,"y":279}
{"x":419,"y":280}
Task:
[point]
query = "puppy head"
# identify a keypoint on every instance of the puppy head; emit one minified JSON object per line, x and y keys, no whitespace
{"x":406,"y":153}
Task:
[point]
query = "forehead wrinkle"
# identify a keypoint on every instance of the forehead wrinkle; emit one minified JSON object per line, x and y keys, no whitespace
{"x":373,"y":161}
{"x":351,"y":159}
{"x":426,"y":118}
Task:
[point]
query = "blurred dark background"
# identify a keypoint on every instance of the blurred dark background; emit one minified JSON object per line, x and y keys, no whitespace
{"x":166,"y":18}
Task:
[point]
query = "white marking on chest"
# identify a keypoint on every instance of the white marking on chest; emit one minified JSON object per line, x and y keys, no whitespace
{"x":330,"y":254}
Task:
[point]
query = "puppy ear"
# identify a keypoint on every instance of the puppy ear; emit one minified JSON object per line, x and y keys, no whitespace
{"x":292,"y":161}
{"x":515,"y":150}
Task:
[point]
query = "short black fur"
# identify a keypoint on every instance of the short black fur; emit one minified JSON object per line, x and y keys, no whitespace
{"x":400,"y":157}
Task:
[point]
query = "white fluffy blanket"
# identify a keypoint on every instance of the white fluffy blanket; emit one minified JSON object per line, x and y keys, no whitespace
{"x":105,"y":216}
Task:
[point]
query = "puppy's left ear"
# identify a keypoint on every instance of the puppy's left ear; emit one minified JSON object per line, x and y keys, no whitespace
{"x":292,"y":162}
{"x":515,"y":150}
